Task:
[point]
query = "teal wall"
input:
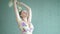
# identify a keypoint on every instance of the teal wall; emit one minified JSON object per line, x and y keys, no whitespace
{"x":46,"y":17}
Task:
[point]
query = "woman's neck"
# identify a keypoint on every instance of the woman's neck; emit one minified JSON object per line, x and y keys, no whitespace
{"x":25,"y":19}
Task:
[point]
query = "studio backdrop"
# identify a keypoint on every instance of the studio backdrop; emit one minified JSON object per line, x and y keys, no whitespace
{"x":45,"y":17}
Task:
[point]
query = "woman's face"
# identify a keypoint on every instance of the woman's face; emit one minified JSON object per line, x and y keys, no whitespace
{"x":24,"y":14}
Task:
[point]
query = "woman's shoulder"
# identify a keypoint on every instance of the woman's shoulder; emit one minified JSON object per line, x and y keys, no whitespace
{"x":20,"y":22}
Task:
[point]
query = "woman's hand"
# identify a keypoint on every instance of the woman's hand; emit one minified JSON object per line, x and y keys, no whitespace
{"x":15,"y":1}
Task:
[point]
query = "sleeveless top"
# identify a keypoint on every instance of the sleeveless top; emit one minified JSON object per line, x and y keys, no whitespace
{"x":26,"y":29}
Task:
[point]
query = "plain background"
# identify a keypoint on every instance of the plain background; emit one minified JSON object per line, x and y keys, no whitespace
{"x":46,"y":17}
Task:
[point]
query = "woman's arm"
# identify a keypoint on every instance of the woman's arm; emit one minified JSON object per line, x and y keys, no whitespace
{"x":28,"y":9}
{"x":16,"y":11}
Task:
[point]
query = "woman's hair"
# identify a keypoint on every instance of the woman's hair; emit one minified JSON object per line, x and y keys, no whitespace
{"x":20,"y":13}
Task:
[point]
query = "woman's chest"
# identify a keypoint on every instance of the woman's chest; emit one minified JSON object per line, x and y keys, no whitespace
{"x":27,"y":24}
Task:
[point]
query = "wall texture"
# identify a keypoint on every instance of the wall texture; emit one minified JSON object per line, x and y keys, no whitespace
{"x":46,"y":17}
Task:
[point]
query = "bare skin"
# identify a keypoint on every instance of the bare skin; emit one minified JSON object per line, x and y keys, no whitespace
{"x":24,"y":15}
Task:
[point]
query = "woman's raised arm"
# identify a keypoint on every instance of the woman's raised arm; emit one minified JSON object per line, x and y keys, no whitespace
{"x":16,"y":11}
{"x":28,"y":10}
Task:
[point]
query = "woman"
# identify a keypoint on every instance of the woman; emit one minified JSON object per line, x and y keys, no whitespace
{"x":24,"y":18}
